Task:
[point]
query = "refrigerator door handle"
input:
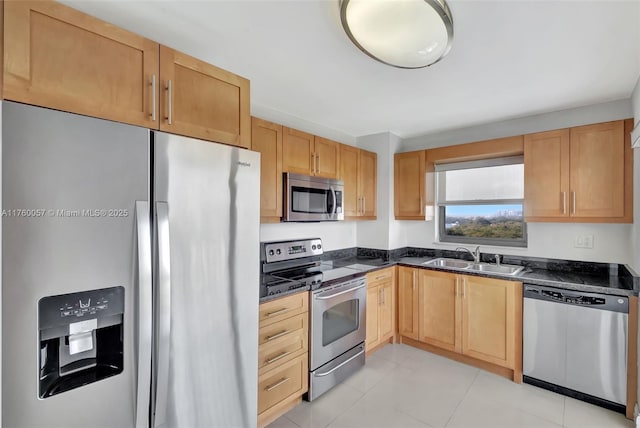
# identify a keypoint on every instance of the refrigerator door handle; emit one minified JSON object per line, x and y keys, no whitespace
{"x":163,"y":313}
{"x":145,"y":313}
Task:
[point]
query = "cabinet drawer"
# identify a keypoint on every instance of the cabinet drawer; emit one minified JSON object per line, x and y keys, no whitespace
{"x":280,"y":309}
{"x":278,"y":384}
{"x":271,"y":333}
{"x":381,"y":276}
{"x":282,"y":341}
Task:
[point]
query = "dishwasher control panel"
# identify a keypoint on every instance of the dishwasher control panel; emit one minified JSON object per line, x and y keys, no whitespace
{"x":572,"y":297}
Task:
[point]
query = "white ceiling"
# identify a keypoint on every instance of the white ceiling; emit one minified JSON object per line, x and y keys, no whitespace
{"x":509,"y":59}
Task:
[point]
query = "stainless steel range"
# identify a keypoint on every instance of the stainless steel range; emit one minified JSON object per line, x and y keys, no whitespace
{"x":337,"y":308}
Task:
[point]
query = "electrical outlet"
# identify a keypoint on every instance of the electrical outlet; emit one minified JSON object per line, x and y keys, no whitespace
{"x":583,"y":241}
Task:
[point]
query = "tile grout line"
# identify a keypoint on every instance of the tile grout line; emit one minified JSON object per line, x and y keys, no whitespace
{"x":285,"y":416}
{"x":475,"y":378}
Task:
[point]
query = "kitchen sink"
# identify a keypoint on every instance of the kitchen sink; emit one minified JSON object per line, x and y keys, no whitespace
{"x":479,"y":267}
{"x":448,"y":263}
{"x":503,"y":269}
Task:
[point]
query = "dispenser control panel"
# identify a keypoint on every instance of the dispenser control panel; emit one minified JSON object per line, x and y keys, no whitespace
{"x":80,"y":308}
{"x":70,"y":308}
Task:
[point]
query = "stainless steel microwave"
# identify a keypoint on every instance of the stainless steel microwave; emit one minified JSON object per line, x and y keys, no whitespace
{"x":309,"y":198}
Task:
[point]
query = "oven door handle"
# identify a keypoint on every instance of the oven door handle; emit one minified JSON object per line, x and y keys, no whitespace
{"x":331,"y":296}
{"x":339,"y":365}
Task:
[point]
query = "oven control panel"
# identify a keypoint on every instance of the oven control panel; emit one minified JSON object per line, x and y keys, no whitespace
{"x":290,"y":250}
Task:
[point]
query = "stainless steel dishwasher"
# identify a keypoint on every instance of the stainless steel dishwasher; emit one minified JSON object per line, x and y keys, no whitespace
{"x":575,"y":343}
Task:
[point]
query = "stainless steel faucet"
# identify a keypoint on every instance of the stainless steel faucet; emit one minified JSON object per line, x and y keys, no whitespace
{"x":475,"y":253}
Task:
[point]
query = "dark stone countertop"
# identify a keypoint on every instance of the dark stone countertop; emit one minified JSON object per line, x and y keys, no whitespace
{"x":613,"y":279}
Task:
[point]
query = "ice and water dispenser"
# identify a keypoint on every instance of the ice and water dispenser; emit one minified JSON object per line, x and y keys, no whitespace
{"x":81,"y":339}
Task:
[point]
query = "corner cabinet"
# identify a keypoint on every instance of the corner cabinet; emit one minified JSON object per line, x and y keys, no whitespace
{"x":381,"y":304}
{"x":58,"y":57}
{"x":475,"y":319}
{"x":582,"y":174}
{"x":409,"y":185}
{"x":266,"y":138}
{"x":359,"y":172}
{"x":203,"y":101}
{"x":408,"y":302}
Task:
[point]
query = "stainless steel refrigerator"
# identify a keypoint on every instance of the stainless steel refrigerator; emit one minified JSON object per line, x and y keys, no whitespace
{"x":129,"y":275}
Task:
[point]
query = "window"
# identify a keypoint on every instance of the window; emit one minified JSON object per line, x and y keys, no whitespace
{"x":481,"y":202}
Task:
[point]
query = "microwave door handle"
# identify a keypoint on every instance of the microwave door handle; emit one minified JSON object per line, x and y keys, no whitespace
{"x":335,"y":200}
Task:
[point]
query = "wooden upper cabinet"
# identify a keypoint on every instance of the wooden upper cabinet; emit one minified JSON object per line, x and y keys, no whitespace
{"x":310,"y":155}
{"x":546,"y":174}
{"x":203,"y":101}
{"x":597,"y":170}
{"x":297,"y":151}
{"x":367,"y":183}
{"x":408,"y":302}
{"x":359,"y":172}
{"x":57,"y":57}
{"x":582,"y":174}
{"x":327,"y":154}
{"x":409,"y":185}
{"x":266,"y":138}
{"x":349,"y":175}
{"x":491,"y":318}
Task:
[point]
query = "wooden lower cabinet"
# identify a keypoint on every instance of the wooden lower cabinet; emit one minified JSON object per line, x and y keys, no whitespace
{"x":438,"y":309}
{"x":381,"y":305}
{"x":408,"y":302}
{"x":283,"y":357}
{"x":478,"y":318}
{"x":489,"y":319}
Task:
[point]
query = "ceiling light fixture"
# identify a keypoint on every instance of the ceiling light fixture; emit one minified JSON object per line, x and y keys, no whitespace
{"x":400,"y":33}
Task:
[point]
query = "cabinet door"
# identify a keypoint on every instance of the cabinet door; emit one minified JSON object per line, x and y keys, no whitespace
{"x":297,"y":151}
{"x":409,"y":185}
{"x":367,"y":183}
{"x":387,"y":312}
{"x":373,"y":313}
{"x":546,"y":174}
{"x":597,"y":170}
{"x":408,"y":302}
{"x":438,"y":309}
{"x":349,"y":175}
{"x":489,"y":319}
{"x":327,"y":162}
{"x":203,"y":101}
{"x":60,"y":58}
{"x":266,"y":138}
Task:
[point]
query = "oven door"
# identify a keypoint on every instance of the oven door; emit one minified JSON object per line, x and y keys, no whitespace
{"x":312,"y":199}
{"x":337,"y":320}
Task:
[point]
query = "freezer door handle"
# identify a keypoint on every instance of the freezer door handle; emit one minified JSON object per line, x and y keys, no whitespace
{"x":163,"y":313}
{"x":145,"y":313}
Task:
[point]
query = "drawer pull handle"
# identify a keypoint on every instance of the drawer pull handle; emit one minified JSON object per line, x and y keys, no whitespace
{"x":277,"y":384}
{"x":278,"y":312}
{"x":380,"y":277}
{"x":277,"y":335}
{"x":278,"y":357}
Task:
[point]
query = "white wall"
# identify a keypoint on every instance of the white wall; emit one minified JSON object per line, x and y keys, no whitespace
{"x":335,"y":235}
{"x":635,"y":103}
{"x":604,"y":112}
{"x":612,"y":242}
{"x":375,"y":233}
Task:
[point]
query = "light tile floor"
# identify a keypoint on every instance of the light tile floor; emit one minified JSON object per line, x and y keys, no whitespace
{"x":401,"y":386}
